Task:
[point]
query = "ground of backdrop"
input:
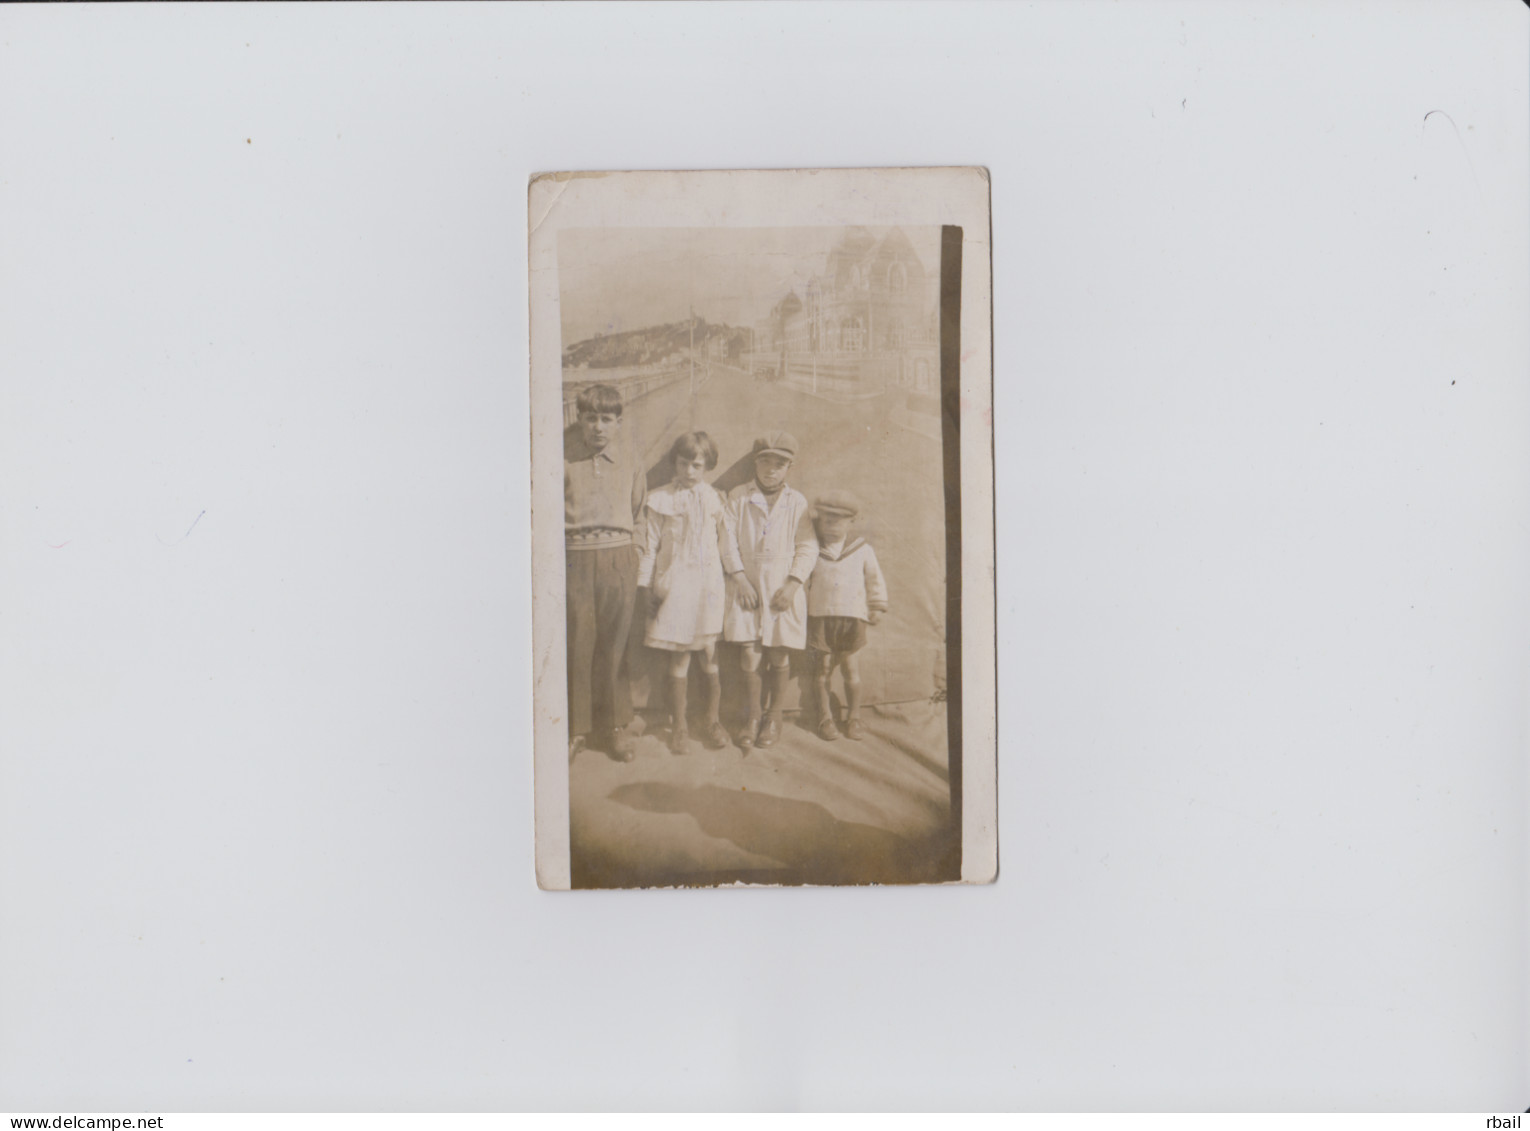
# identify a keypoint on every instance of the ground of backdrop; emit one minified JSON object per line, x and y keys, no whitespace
{"x":860,"y":400}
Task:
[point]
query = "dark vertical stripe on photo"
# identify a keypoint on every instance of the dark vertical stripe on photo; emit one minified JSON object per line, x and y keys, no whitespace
{"x":950,"y":416}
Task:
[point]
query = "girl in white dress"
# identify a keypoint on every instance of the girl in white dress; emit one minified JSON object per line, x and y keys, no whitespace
{"x":684,"y":535}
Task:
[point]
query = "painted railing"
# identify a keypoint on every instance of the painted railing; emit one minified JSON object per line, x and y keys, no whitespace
{"x":849,"y":373}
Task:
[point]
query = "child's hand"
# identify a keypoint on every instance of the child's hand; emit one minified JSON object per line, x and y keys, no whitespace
{"x":783,"y":596}
{"x":873,"y":615}
{"x":744,"y":591}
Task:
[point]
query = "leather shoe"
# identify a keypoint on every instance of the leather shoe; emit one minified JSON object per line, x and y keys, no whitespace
{"x":770,"y":730}
{"x":621,"y":745}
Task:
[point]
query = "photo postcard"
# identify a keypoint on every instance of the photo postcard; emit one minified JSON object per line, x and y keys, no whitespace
{"x":764,"y":643}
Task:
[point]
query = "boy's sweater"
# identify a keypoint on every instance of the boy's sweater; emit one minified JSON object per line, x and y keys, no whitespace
{"x":602,"y":495}
{"x":846,"y":582}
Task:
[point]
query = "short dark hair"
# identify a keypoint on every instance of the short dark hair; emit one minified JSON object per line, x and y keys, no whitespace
{"x":693,"y":444}
{"x":599,"y":399}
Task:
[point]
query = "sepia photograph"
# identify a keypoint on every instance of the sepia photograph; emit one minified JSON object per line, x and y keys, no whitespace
{"x":760,"y":436}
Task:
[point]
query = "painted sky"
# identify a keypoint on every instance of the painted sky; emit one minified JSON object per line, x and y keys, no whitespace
{"x":614,"y":279}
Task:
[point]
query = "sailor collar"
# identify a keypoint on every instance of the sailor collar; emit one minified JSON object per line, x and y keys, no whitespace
{"x":849,"y":548}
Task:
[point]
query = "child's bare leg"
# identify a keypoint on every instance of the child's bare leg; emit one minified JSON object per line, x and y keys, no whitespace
{"x":679,"y":670}
{"x":715,"y":737}
{"x":826,"y":728}
{"x":852,"y":672}
{"x":821,"y":675}
{"x":749,"y":660}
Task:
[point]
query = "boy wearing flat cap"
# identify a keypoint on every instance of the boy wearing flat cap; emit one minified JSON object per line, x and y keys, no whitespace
{"x":768,"y":562}
{"x":845,"y":593}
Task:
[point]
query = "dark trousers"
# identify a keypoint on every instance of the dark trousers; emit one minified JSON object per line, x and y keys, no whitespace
{"x":602,"y":585}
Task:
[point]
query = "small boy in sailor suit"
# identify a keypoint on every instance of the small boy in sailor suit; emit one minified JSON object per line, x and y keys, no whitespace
{"x":845,"y":593}
{"x":768,"y":561}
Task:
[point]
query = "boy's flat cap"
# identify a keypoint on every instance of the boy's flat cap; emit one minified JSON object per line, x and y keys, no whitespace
{"x":838,"y":502}
{"x":776,"y":443}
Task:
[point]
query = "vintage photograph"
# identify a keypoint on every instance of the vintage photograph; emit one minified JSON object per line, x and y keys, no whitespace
{"x":762,"y":553}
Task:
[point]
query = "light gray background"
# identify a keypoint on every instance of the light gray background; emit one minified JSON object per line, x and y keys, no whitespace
{"x":1263,"y":474}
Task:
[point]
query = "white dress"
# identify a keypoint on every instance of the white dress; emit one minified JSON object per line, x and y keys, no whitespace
{"x":683,"y":539}
{"x":771,"y":544}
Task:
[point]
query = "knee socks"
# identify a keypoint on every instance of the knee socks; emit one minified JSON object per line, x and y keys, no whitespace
{"x":677,"y":688}
{"x":714,"y":694}
{"x":778,"y":678}
{"x":752,"y":694}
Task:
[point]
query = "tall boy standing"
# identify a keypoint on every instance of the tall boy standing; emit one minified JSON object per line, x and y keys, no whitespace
{"x":603,"y":492}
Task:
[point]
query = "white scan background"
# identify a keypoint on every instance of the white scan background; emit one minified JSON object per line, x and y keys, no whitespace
{"x":1262,"y":475}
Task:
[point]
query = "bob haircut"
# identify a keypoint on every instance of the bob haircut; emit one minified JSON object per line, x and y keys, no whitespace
{"x":689,"y":445}
{"x":599,"y":399}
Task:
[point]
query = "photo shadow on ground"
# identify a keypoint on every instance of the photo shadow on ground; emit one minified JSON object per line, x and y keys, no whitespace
{"x":812,"y":845}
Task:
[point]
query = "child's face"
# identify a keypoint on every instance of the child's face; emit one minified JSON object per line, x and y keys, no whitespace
{"x":599,"y":428}
{"x":833,"y":526}
{"x":688,"y":472}
{"x":770,"y":470}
